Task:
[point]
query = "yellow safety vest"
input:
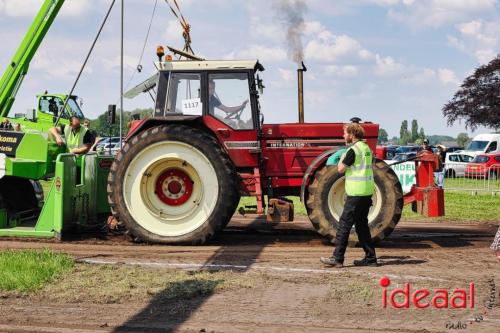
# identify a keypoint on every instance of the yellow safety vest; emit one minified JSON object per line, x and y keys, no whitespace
{"x":74,"y":140}
{"x":359,"y":176}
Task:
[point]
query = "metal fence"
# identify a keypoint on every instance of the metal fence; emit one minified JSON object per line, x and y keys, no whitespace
{"x":472,"y":177}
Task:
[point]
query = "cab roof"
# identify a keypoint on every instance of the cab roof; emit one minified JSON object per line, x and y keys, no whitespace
{"x":175,"y":65}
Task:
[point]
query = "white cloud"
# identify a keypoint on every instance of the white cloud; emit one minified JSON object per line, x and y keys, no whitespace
{"x":29,"y":8}
{"x":328,"y":47}
{"x":386,"y":66}
{"x":420,"y":76}
{"x":344,"y":71}
{"x":64,"y":69}
{"x":435,"y":13}
{"x":477,"y":38}
{"x":260,"y":52}
{"x":447,"y":76}
{"x":285,"y":74}
{"x":173,"y":32}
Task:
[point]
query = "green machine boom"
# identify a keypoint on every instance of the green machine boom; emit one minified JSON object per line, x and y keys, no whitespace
{"x":49,"y":105}
{"x":75,"y":186}
{"x":18,"y":66}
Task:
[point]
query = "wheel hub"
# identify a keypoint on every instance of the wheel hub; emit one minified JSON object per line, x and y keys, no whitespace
{"x":174,"y":187}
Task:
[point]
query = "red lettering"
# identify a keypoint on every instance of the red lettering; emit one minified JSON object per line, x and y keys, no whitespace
{"x":459,"y":294}
{"x":417,"y":298}
{"x":471,"y":292}
{"x":405,"y":292}
{"x":441,"y":294}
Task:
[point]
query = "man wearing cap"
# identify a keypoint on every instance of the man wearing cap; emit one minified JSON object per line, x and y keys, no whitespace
{"x":425,"y":146}
{"x":359,"y":187}
{"x":77,"y":138}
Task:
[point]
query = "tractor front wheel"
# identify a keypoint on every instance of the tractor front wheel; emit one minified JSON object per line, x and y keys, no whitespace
{"x":172,"y":184}
{"x":326,"y":196}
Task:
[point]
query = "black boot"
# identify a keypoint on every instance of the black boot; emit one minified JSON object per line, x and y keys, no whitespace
{"x":332,"y":261}
{"x":366,"y":262}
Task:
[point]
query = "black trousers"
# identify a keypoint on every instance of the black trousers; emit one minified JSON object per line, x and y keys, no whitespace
{"x":355,"y":213}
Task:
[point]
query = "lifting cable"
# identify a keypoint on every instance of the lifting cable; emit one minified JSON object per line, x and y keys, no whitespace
{"x":84,"y":63}
{"x":139,"y":63}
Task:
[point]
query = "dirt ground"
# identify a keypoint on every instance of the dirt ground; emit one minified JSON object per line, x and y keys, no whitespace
{"x":259,"y":277}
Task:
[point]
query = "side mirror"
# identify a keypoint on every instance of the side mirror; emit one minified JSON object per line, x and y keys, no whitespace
{"x":111,"y":114}
{"x":261,"y":115}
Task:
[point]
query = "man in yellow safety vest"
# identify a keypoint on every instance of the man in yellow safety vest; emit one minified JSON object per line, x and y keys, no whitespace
{"x":359,"y":187}
{"x":77,"y":138}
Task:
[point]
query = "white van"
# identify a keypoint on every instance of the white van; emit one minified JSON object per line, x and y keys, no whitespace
{"x":484,"y":144}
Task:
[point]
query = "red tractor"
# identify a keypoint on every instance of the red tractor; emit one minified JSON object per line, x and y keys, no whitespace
{"x":181,"y":173}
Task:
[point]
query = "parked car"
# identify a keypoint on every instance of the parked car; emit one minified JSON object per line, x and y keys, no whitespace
{"x":454,"y":149}
{"x":455,"y":163}
{"x":386,"y":152}
{"x":107,"y":140}
{"x":404,"y":156}
{"x":408,"y":149}
{"x":484,"y":166}
{"x":114,"y":148}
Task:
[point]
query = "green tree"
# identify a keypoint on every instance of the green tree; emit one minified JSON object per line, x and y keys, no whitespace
{"x":383,"y":137}
{"x":414,"y":130}
{"x":421,"y":135}
{"x":462,"y":139}
{"x":100,"y":125}
{"x":478,"y":99}
{"x":404,"y":134}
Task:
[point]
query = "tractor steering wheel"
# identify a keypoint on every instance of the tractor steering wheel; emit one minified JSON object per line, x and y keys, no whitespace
{"x":234,"y":115}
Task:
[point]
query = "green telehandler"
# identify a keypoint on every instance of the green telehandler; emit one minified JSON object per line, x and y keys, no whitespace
{"x":77,"y":196}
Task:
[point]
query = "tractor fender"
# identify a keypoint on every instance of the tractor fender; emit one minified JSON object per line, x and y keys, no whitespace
{"x":317,"y":162}
{"x":138,"y":126}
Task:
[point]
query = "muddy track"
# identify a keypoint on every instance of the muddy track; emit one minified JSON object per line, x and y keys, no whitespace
{"x":442,"y":254}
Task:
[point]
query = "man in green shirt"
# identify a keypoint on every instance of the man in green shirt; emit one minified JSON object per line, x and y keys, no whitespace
{"x":77,"y":138}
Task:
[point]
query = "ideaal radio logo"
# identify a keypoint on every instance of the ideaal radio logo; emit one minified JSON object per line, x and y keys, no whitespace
{"x":458,"y":298}
{"x":423,"y":298}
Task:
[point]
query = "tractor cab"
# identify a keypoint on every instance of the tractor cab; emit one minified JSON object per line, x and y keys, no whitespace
{"x":223,"y":90}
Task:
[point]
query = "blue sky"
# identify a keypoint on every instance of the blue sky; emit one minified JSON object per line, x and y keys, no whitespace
{"x":381,"y":60}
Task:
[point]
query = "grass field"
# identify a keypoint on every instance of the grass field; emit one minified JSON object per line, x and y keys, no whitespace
{"x":29,"y":270}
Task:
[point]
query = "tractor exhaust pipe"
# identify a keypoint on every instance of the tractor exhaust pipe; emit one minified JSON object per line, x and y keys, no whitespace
{"x":300,"y":83}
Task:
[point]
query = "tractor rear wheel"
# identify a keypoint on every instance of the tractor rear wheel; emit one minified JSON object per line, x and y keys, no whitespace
{"x":172,"y":184}
{"x":18,"y":195}
{"x":326,"y":197}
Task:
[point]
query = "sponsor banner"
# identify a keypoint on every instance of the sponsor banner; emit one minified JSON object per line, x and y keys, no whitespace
{"x":9,"y":141}
{"x":406,"y":174}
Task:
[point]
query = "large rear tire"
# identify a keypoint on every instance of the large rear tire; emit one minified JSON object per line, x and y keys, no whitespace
{"x":326,"y":197}
{"x":172,"y":184}
{"x":18,"y":195}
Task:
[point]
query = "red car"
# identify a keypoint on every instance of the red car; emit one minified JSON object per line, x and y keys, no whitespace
{"x":484,"y":166}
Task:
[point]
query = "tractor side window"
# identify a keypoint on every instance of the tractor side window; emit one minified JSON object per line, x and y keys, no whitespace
{"x":184,"y":94}
{"x":229,"y":99}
